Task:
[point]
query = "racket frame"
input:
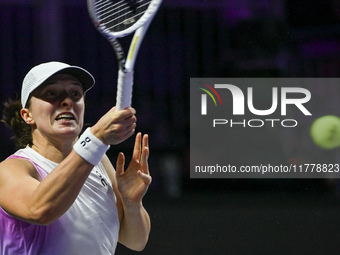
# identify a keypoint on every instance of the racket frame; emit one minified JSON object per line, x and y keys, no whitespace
{"x":126,"y":63}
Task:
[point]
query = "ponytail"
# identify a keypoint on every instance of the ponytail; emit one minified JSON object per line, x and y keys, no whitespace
{"x":13,"y":120}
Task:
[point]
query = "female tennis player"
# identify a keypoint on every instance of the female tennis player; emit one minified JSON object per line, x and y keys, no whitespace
{"x":59,"y":193}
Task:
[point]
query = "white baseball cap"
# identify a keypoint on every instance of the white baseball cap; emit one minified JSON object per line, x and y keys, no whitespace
{"x":40,"y":73}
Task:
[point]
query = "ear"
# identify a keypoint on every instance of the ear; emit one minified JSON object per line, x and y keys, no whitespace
{"x":27,"y":116}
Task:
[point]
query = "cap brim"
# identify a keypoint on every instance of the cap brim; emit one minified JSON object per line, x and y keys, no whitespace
{"x":85,"y":78}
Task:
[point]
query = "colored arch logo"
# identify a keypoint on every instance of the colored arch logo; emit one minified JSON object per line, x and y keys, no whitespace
{"x":212,"y":93}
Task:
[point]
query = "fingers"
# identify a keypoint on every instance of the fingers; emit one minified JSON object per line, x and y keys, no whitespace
{"x":126,"y":122}
{"x":145,"y":177}
{"x":137,"y":148}
{"x":113,"y":109}
{"x":141,"y":152}
{"x":125,"y":113}
{"x":139,"y":162}
{"x":145,"y":154}
{"x":120,"y":164}
{"x":125,"y":118}
{"x":145,"y":141}
{"x":116,"y":126}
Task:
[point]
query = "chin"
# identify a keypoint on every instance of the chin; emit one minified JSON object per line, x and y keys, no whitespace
{"x":69,"y":131}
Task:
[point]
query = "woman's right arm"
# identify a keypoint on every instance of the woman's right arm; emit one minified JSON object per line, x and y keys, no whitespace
{"x":25,"y":196}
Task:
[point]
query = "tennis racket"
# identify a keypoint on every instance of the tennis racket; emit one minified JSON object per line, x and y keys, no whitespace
{"x":117,"y":19}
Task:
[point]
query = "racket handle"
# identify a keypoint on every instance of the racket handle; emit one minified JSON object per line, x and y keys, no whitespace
{"x":124,"y":89}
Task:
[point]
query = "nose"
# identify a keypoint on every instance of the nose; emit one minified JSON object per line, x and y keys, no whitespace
{"x":66,"y":101}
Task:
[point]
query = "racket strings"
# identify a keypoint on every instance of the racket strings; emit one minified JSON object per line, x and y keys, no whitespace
{"x":120,"y":15}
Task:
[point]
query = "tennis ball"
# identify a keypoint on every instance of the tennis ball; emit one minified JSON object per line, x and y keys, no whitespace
{"x":325,"y":132}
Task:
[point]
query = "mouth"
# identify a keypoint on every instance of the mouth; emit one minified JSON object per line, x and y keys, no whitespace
{"x":65,"y":117}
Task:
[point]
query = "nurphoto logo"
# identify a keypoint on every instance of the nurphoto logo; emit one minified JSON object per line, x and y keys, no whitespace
{"x":280,"y":98}
{"x":204,"y":97}
{"x":264,"y":127}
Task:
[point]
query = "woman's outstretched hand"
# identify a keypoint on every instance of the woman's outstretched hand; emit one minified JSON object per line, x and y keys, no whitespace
{"x":133,"y":183}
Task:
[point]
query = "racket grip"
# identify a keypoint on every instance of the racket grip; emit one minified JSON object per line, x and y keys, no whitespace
{"x":124,"y":90}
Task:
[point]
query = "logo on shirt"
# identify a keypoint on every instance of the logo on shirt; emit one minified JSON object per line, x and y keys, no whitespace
{"x":102,"y":179}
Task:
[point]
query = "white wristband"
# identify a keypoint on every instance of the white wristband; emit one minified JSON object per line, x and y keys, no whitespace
{"x":90,"y":148}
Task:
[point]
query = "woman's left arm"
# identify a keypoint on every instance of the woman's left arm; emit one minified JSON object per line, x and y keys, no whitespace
{"x":130,"y":187}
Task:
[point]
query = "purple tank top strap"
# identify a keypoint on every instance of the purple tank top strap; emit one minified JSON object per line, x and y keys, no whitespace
{"x":41,"y":172}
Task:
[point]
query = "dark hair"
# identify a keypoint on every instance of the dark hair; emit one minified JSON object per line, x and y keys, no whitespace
{"x":13,"y":120}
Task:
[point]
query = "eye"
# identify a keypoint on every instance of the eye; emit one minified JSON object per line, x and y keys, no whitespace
{"x":77,"y":94}
{"x":50,"y":93}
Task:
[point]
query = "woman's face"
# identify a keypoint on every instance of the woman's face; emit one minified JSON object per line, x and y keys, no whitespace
{"x":57,"y":106}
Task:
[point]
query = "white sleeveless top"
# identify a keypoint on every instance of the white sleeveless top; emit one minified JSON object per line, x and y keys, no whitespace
{"x":89,"y":227}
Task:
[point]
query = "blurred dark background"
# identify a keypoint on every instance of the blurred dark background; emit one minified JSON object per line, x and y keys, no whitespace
{"x":197,"y":38}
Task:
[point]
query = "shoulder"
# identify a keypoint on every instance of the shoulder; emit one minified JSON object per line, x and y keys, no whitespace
{"x":18,"y":179}
{"x":16,"y":167}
